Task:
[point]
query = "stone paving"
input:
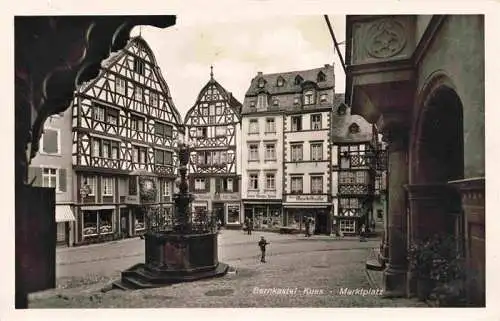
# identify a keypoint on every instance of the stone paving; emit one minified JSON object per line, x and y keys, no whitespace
{"x":300,"y":272}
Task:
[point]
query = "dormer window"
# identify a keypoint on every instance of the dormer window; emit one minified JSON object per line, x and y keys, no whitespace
{"x":309,"y":97}
{"x":252,"y":104}
{"x":280,"y":82}
{"x":296,"y":101}
{"x":276,"y":102}
{"x":354,"y":128}
{"x":323,"y":98}
{"x":262,"y":83}
{"x":321,"y":76}
{"x":298,"y":80}
{"x":262,"y":101}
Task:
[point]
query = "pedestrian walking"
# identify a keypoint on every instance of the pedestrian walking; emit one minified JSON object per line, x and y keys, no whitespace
{"x":362,"y":233}
{"x":123,"y":223}
{"x":308,"y":226}
{"x":250,"y":226}
{"x":262,"y":244}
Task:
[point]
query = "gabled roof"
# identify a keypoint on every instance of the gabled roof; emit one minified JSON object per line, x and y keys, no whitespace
{"x":116,"y":56}
{"x":234,"y":104}
{"x":341,"y":124}
{"x":289,"y":86}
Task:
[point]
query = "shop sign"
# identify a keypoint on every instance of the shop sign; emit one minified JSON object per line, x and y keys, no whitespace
{"x":132,"y":199}
{"x":227,"y":196}
{"x":202,"y":196}
{"x":270,"y":195}
{"x":307,"y":198}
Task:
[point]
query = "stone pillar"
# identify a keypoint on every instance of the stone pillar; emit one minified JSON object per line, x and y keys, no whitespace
{"x":395,"y":273}
{"x":472,"y":192}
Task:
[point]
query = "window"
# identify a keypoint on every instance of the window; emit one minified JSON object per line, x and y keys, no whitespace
{"x":228,"y":185}
{"x":262,"y":83}
{"x":321,"y":77}
{"x":270,"y":125}
{"x":296,"y":101}
{"x":112,"y":116}
{"x":348,"y":226}
{"x":98,"y":113}
{"x":139,"y":66}
{"x":323,"y":98}
{"x":223,"y":157}
{"x":296,"y":152}
{"x":49,"y":141}
{"x":253,"y":181}
{"x":142,"y":155}
{"x":354,"y":128}
{"x":253,"y":151}
{"x":163,"y":130}
{"x":276,"y":102}
{"x":349,"y":203}
{"x":138,"y":93}
{"x":107,"y":186}
{"x":316,"y":184}
{"x":165,"y":187}
{"x":220,"y":131}
{"x":296,"y":123}
{"x":153,"y":99}
{"x":298,"y":80}
{"x":280,"y":82}
{"x":199,"y":184}
{"x":361,"y":177}
{"x":121,"y":86}
{"x":252,"y":104}
{"x":137,"y":123}
{"x":342,"y":110}
{"x":270,"y":181}
{"x":316,"y":121}
{"x":96,"y":147}
{"x":163,"y":157}
{"x":296,"y":185}
{"x":49,"y":177}
{"x":114,"y":150}
{"x":270,"y":152}
{"x":139,"y":154}
{"x":316,"y":151}
{"x":253,"y":126}
{"x":90,"y":181}
{"x":105,"y":149}
{"x":309,"y":97}
{"x":262,"y":101}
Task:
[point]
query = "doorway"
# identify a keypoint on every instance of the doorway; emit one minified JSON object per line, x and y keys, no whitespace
{"x":218,"y":209}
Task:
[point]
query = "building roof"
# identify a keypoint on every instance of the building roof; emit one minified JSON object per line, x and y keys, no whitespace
{"x":289,"y":86}
{"x":342,"y":123}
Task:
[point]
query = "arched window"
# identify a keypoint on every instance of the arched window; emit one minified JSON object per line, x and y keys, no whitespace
{"x":309,"y":97}
{"x":298,"y":80}
{"x":321,"y":76}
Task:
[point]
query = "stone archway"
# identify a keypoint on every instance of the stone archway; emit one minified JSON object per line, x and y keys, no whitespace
{"x":437,"y":157}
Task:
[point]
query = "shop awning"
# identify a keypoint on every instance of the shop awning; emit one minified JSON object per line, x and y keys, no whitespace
{"x":302,"y":205}
{"x":64,"y":214}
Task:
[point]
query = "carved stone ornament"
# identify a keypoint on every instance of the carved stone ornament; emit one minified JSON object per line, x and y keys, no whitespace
{"x":385,"y":38}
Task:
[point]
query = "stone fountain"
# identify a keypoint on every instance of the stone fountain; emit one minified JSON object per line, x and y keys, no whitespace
{"x":179,"y":248}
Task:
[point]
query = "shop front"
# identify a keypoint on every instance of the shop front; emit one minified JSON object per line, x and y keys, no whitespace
{"x":301,"y":208}
{"x":265,"y":214}
{"x":98,"y":224}
{"x":226,"y":207}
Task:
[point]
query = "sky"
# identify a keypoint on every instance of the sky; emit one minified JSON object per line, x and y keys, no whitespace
{"x":238,"y":47}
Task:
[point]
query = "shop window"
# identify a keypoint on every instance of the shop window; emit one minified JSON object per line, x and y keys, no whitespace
{"x":139,"y":224}
{"x":97,"y":222}
{"x":233,"y":214}
{"x":348,"y":226}
{"x":105,"y":221}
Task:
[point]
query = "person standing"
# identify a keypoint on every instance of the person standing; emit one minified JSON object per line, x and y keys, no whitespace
{"x":250,"y":226}
{"x":362,"y":233}
{"x":262,"y":244}
{"x":308,"y":226}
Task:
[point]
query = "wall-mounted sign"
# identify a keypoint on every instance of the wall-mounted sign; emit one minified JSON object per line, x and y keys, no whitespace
{"x":202,"y":196}
{"x":134,"y":199}
{"x":227,"y":196}
{"x":261,"y":195}
{"x":307,"y":198}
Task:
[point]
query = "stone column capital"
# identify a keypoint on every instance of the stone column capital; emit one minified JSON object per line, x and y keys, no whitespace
{"x":395,"y":129}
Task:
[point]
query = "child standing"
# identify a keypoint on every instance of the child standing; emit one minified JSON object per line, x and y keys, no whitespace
{"x":262,"y":245}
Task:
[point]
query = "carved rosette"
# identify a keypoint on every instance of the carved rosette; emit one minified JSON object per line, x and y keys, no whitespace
{"x":385,"y":38}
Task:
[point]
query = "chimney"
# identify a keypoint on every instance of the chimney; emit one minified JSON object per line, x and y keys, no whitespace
{"x":259,"y":73}
{"x":327,"y":65}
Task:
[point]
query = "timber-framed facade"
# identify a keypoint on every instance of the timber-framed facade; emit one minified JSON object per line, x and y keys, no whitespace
{"x":213,"y":130}
{"x":122,"y":121}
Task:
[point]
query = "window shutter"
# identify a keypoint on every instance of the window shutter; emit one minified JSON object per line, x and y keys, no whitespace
{"x":235,"y":184}
{"x":50,"y":145}
{"x":218,"y":185}
{"x":62,"y":179}
{"x":36,"y":174}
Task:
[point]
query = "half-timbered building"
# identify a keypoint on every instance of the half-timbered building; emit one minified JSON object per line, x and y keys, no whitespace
{"x":213,"y":129}
{"x":355,"y":146}
{"x":123,"y":121}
